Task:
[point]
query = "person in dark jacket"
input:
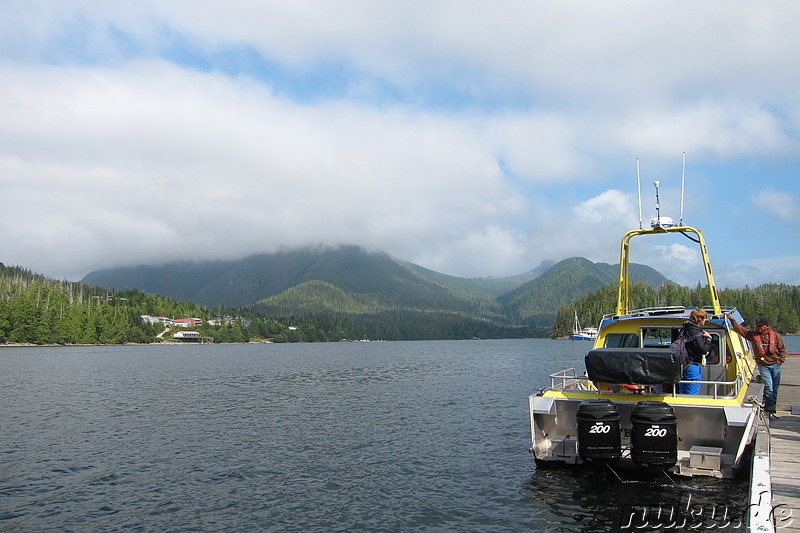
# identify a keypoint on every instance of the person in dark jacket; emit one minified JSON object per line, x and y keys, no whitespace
{"x":698,"y":343}
{"x":769,"y":352}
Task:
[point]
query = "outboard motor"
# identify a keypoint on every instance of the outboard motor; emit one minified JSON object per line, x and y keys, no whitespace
{"x":598,"y":431}
{"x":654,"y":435}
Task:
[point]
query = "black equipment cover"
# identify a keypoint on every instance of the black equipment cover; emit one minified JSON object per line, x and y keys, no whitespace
{"x":641,"y":366}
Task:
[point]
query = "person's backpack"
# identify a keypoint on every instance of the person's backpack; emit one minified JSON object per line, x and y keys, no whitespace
{"x":679,"y":346}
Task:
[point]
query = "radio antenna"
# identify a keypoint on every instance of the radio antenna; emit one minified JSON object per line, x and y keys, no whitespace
{"x":658,"y":204}
{"x":683,"y":181}
{"x":639,"y":187}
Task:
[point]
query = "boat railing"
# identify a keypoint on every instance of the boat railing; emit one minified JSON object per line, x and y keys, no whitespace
{"x":650,"y":311}
{"x":569,"y":380}
{"x":734,"y":386}
{"x":666,"y":310}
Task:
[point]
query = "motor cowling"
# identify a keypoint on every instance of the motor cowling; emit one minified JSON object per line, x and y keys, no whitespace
{"x":598,"y":431}
{"x":654,"y":435}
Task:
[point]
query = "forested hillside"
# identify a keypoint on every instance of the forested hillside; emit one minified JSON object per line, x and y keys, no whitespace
{"x":385,"y":319}
{"x":366,"y":289}
{"x":39,"y":310}
{"x":361,"y":282}
{"x":487,"y":287}
{"x":779,"y":303}
{"x":350,"y":268}
{"x":536,"y":302}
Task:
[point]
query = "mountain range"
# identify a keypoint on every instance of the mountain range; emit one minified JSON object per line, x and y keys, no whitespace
{"x":350,"y":281}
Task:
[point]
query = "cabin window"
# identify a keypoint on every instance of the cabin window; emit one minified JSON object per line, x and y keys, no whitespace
{"x":657,"y":337}
{"x":713,"y":356}
{"x":622,"y":340}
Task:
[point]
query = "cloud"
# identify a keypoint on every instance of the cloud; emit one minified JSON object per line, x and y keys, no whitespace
{"x":726,"y":128}
{"x":678,"y":262}
{"x":610,"y":207}
{"x":487,"y":251}
{"x":755,"y":272}
{"x":158,"y":162}
{"x":781,"y":205}
{"x":536,"y":147}
{"x":475,"y":140}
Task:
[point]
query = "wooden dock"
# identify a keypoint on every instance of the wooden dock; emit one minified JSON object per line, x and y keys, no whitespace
{"x":784,"y":457}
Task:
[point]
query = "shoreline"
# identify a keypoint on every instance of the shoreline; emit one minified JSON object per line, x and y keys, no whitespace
{"x":264,"y":341}
{"x":31,"y":345}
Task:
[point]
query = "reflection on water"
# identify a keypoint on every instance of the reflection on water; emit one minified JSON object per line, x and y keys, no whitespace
{"x":598,"y":499}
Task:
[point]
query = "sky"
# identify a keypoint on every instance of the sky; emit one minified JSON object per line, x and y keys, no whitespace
{"x":474,"y":138}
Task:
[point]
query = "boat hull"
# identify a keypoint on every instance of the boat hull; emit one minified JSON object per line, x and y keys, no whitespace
{"x":712,"y":436}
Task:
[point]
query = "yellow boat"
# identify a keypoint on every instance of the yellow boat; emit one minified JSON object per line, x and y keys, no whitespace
{"x":626,"y":409}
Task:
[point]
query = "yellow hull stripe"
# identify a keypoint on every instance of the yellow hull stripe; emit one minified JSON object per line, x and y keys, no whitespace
{"x":633,"y":398}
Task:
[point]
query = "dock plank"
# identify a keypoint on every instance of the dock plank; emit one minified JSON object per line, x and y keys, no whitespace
{"x":785,"y":450}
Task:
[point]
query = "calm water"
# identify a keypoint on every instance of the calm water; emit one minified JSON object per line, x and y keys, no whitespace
{"x":425,"y":436}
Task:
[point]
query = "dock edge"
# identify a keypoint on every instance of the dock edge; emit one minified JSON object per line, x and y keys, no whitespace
{"x":760,"y":506}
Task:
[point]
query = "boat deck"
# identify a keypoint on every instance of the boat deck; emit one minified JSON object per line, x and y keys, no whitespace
{"x":784,"y":445}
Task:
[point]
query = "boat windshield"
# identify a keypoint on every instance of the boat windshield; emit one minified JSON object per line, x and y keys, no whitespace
{"x":622,"y":340}
{"x":658,"y":337}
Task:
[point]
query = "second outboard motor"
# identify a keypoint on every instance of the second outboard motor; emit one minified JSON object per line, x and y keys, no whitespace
{"x":654,"y":435}
{"x":598,"y":431}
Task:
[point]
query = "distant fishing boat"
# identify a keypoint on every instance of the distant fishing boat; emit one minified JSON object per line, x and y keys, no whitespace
{"x":582,"y":334}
